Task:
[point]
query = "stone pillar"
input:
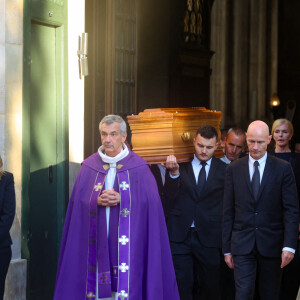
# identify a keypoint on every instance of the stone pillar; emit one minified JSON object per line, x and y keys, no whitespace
{"x":240,"y":52}
{"x":219,"y":62}
{"x":244,"y":67}
{"x":11,"y":53}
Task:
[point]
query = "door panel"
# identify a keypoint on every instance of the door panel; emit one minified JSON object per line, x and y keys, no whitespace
{"x":43,"y":153}
{"x":45,"y":142}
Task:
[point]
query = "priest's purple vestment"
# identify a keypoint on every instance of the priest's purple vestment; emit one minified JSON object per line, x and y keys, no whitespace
{"x":134,"y":260}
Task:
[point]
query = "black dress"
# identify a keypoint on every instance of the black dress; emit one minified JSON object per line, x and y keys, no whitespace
{"x":7,"y":213}
{"x":291,"y":273}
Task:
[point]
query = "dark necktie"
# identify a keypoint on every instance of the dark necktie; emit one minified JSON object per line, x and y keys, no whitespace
{"x":202,"y":177}
{"x":255,"y":180}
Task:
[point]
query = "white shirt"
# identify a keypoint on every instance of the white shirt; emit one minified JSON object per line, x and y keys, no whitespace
{"x":226,"y":160}
{"x":196,"y":164}
{"x":261,"y":167}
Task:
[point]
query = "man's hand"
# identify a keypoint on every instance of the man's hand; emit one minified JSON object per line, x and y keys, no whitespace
{"x":229,"y":261}
{"x":172,"y":165}
{"x":109,"y":198}
{"x":286,"y":258}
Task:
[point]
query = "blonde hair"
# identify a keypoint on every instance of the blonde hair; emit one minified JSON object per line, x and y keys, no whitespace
{"x":280,"y":122}
{"x":2,"y":172}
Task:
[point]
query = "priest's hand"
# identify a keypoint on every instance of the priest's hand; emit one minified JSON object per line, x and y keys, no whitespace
{"x":109,"y":198}
{"x":172,"y":165}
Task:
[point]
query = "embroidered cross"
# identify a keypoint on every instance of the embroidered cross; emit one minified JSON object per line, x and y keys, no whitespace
{"x":124,"y":186}
{"x":103,"y":278}
{"x":123,"y":295}
{"x":90,"y":295}
{"x":123,"y":267}
{"x":114,"y":270}
{"x":92,"y":268}
{"x":93,"y":213}
{"x":98,"y":187}
{"x":123,"y":240}
{"x":124,"y":212}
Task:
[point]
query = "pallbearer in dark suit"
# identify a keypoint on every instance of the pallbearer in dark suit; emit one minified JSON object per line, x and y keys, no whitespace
{"x":194,"y":220}
{"x":260,"y":217}
{"x":234,"y":146}
{"x":7,"y":213}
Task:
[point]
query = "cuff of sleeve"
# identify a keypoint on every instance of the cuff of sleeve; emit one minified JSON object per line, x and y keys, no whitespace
{"x":227,"y":254}
{"x":288,"y":249}
{"x":174,"y":177}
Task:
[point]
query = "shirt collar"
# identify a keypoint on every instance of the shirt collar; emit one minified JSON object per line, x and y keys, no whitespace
{"x":196,"y":161}
{"x":226,"y":159}
{"x":113,"y":160}
{"x":260,"y":161}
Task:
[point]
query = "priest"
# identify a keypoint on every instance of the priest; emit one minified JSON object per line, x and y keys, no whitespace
{"x":115,"y":244}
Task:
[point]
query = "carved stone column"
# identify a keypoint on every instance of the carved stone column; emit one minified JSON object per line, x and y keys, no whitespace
{"x":244,"y":67}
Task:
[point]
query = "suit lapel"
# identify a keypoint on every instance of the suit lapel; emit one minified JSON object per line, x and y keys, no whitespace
{"x":266,"y":175}
{"x":190,"y":173}
{"x":190,"y":176}
{"x":246,"y":174}
{"x":212,"y":170}
{"x":211,"y":174}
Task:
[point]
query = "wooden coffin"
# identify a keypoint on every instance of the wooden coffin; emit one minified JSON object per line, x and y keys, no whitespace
{"x":159,"y":132}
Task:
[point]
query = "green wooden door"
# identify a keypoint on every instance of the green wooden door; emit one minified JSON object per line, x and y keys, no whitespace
{"x":42,"y":183}
{"x":45,"y":144}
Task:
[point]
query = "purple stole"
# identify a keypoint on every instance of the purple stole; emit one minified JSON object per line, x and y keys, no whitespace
{"x":110,"y":276}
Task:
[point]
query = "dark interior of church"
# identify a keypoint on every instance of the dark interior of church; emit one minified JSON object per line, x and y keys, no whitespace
{"x":230,"y":56}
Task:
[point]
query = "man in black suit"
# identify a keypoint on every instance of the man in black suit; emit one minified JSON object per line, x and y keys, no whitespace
{"x":194,"y":220}
{"x":235,"y":142}
{"x":260,"y":217}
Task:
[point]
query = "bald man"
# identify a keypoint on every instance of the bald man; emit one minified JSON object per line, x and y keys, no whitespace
{"x":260,"y":217}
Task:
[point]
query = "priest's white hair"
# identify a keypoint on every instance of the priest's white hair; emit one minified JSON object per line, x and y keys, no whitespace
{"x":109,"y":119}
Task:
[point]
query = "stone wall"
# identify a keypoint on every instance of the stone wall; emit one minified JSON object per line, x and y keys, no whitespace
{"x":11,"y":60}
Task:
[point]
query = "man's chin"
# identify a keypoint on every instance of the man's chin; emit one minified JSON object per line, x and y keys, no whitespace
{"x":109,"y":151}
{"x":204,"y":158}
{"x":256,"y":156}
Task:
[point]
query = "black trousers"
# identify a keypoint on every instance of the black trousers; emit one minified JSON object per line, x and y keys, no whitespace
{"x":5,"y":257}
{"x":267,"y":270}
{"x":291,"y":278}
{"x":228,"y":285}
{"x":197,"y":269}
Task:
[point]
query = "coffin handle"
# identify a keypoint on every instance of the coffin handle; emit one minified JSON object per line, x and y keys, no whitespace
{"x":185,"y":136}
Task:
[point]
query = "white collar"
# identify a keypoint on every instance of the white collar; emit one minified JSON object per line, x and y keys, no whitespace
{"x":226,"y":159}
{"x":260,"y":161}
{"x":113,"y":160}
{"x":196,"y":161}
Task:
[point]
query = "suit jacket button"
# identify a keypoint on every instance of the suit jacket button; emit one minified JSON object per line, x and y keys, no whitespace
{"x":256,"y":228}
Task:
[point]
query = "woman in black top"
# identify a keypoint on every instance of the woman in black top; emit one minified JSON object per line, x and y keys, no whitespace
{"x":282,"y":132}
{"x":7,"y":213}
